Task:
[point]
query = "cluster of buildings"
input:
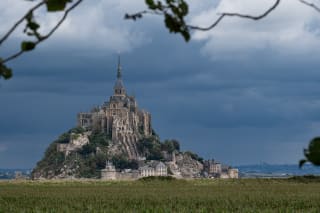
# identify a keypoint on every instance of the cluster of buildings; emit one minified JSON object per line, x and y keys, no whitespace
{"x":214,"y":169}
{"x":211,"y":169}
{"x":152,"y":168}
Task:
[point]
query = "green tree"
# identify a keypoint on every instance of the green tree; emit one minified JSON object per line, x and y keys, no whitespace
{"x":121,"y":162}
{"x":170,"y":146}
{"x":312,"y":154}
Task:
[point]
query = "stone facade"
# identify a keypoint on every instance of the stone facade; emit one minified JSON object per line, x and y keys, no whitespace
{"x":153,"y":168}
{"x":212,"y":167}
{"x":233,"y":173}
{"x":119,"y":117}
{"x":109,"y":173}
{"x":184,"y":166}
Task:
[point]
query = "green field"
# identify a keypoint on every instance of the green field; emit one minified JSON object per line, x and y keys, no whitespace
{"x":244,"y":195}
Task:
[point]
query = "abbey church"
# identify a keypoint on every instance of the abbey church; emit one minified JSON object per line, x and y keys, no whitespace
{"x":119,"y":117}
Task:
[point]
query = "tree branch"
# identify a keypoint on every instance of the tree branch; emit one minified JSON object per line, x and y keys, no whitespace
{"x":20,"y":21}
{"x":223,"y":15}
{"x":61,"y":20}
{"x":311,"y":5}
{"x":46,"y":36}
{"x":139,"y":15}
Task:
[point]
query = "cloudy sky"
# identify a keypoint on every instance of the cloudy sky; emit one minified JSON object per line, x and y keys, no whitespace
{"x":244,"y":93}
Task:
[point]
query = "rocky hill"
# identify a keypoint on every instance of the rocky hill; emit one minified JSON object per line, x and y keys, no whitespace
{"x":83,"y":154}
{"x":118,"y":131}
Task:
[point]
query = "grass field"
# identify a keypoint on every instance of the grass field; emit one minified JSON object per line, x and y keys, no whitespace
{"x":244,"y":195}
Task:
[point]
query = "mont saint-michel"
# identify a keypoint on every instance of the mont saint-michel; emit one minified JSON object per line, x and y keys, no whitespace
{"x":116,"y":141}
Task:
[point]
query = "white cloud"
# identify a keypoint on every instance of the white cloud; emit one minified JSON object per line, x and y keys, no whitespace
{"x":95,"y":24}
{"x":289,"y":30}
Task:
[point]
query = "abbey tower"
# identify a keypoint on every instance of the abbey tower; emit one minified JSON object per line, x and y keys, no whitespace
{"x":120,"y":118}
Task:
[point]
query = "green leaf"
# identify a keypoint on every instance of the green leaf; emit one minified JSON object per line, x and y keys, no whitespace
{"x":172,"y":24}
{"x":33,"y":25}
{"x":56,"y":5}
{"x":5,"y":72}
{"x":151,"y":4}
{"x":186,"y":35}
{"x":27,"y":45}
{"x":184,"y":8}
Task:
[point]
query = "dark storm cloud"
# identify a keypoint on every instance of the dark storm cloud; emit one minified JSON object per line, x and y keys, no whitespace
{"x":238,"y":111}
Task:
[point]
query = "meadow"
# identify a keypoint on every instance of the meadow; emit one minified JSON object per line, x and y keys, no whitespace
{"x":243,"y":195}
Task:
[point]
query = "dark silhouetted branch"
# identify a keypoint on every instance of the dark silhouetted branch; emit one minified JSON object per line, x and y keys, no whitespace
{"x":46,"y":36}
{"x":20,"y":21}
{"x":255,"y":18}
{"x":61,"y":20}
{"x":139,"y":15}
{"x":311,"y":5}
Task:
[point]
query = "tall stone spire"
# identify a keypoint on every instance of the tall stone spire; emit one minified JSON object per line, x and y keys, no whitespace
{"x":119,"y":87}
{"x":119,"y":74}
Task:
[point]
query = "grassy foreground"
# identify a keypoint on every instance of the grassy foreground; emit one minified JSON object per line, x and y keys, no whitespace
{"x":245,"y":195}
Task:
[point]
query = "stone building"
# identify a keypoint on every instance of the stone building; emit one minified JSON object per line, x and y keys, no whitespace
{"x":233,"y":173}
{"x":153,"y":168}
{"x":212,"y":167}
{"x":119,"y":117}
{"x":156,"y":168}
{"x":109,"y":173}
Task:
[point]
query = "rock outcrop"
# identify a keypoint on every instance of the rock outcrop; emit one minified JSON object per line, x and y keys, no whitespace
{"x":184,"y":166}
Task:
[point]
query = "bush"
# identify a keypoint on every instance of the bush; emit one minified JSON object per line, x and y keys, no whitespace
{"x":194,"y":156}
{"x":151,"y":148}
{"x":87,"y":149}
{"x":121,"y":162}
{"x":101,"y":139}
{"x":64,"y":138}
{"x":144,"y":145}
{"x":91,"y":165}
{"x":153,"y":133}
{"x":170,"y":146}
{"x":158,"y":178}
{"x":305,"y":178}
{"x":77,"y":130}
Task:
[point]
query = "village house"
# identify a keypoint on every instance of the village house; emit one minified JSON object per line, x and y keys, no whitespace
{"x":156,"y":168}
{"x":152,"y":168}
{"x":214,"y":169}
